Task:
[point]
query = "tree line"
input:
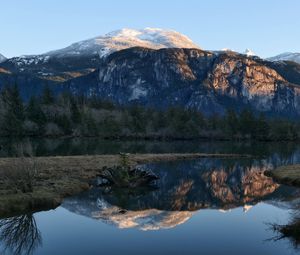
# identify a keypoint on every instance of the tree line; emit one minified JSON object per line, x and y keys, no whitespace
{"x":69,"y":115}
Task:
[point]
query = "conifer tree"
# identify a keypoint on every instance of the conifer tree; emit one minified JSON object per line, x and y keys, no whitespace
{"x":14,"y":111}
{"x":232,"y":122}
{"x":47,"y":96}
{"x":34,"y":111}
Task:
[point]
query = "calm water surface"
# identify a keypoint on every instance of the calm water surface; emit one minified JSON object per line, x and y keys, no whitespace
{"x":207,"y":206}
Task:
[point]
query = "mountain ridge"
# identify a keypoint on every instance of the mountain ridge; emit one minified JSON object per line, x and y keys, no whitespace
{"x":287,"y":56}
{"x":154,"y":38}
{"x":161,"y":76}
{"x":191,"y":78}
{"x":82,"y":57}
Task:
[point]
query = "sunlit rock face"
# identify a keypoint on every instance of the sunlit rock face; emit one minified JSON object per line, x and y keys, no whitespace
{"x":207,"y":81}
{"x":183,"y":188}
{"x":251,"y":82}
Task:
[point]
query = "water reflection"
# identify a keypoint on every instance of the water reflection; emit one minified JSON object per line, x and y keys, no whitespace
{"x":184,"y":188}
{"x":20,"y":235}
{"x":279,"y":152}
{"x":291,"y":230}
{"x":185,"y":191}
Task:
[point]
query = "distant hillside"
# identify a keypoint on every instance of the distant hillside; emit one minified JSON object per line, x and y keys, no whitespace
{"x":288,"y":56}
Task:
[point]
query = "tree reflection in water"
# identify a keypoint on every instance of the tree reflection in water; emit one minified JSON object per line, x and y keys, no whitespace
{"x":291,"y":230}
{"x":20,"y":235}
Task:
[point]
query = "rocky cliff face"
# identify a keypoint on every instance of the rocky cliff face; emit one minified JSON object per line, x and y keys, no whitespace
{"x":193,"y":78}
{"x":210,"y":82}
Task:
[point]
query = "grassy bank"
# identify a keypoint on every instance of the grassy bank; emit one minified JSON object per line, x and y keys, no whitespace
{"x":59,"y":177}
{"x":289,"y":175}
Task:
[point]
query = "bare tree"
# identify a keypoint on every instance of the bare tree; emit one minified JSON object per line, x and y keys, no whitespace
{"x":22,"y":175}
{"x":20,"y":235}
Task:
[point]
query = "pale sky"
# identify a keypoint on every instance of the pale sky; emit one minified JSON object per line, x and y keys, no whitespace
{"x":268,"y":27}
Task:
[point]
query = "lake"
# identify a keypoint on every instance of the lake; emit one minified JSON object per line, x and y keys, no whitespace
{"x":206,"y":206}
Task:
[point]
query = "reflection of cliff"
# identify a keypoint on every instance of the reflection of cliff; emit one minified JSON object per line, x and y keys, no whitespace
{"x":230,"y":188}
{"x":183,"y":187}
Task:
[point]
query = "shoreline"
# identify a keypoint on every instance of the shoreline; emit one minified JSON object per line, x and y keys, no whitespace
{"x":154,"y":138}
{"x":63,"y":176}
{"x":287,"y":175}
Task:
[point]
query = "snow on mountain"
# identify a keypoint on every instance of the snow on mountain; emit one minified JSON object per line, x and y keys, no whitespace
{"x":154,"y":38}
{"x":287,"y":56}
{"x":249,"y":53}
{"x":2,"y":58}
{"x":91,"y":49}
{"x":227,"y":49}
{"x":224,"y":50}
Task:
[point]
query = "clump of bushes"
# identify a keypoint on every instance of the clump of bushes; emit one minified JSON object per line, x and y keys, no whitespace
{"x":125,"y":176}
{"x":22,"y":176}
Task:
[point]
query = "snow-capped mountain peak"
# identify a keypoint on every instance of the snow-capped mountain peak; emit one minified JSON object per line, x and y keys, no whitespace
{"x":227,"y":50}
{"x":2,"y":58}
{"x":154,"y":38}
{"x":287,"y":56}
{"x":249,"y":53}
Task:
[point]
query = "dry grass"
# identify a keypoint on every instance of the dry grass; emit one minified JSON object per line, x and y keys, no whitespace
{"x":58,"y":177}
{"x":289,"y":175}
{"x":22,"y":176}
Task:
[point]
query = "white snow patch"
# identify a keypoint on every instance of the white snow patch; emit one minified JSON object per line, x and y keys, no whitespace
{"x":137,"y":91}
{"x":287,"y":56}
{"x":249,"y":53}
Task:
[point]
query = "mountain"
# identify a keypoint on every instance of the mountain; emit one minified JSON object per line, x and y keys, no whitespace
{"x":153,"y":38}
{"x":2,"y":58}
{"x":28,"y":85}
{"x":192,"y":78}
{"x":166,"y":69}
{"x":249,"y":52}
{"x":289,"y":70}
{"x":287,"y":56}
{"x":84,"y":57}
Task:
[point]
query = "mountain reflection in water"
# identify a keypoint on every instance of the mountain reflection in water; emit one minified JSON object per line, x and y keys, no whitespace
{"x":184,"y":188}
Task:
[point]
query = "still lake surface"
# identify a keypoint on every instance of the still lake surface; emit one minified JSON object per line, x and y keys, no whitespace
{"x":206,"y":206}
